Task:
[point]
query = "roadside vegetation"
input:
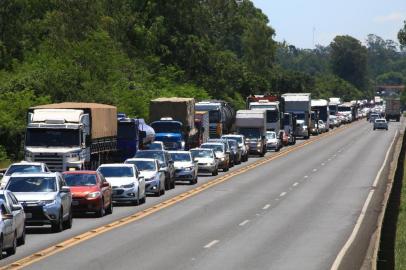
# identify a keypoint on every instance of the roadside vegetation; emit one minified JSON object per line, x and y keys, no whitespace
{"x":126,"y":52}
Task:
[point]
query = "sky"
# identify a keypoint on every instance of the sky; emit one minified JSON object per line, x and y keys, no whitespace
{"x":295,"y":21}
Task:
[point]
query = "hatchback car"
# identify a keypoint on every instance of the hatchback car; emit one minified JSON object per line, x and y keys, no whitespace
{"x":165,"y":162}
{"x":16,"y":209}
{"x":23,"y":167}
{"x":206,"y":160}
{"x":128,"y":185}
{"x":185,"y":166}
{"x":220,"y":151}
{"x":380,"y":123}
{"x":242,"y":144}
{"x":272,"y":141}
{"x":90,"y":192}
{"x":8,"y":232}
{"x":45,"y":197}
{"x":154,"y":176}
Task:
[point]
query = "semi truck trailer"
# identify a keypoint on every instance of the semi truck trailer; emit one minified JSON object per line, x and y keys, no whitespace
{"x":252,"y":124}
{"x":392,"y":108}
{"x":300,"y":105}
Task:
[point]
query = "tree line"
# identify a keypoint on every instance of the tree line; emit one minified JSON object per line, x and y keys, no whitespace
{"x":126,"y":52}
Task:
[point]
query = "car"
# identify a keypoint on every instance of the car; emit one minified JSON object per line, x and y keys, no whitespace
{"x":128,"y":185}
{"x":322,"y":126}
{"x":221,"y":154}
{"x":237,"y":153}
{"x":45,"y":197}
{"x":185,"y":167}
{"x":165,"y":162}
{"x":8,"y":231}
{"x":154,"y":176}
{"x":156,"y":145}
{"x":242,"y":144}
{"x":373,"y":116}
{"x":90,"y":192}
{"x":272,"y":141}
{"x":380,"y":123}
{"x":228,"y":149}
{"x":23,"y":167}
{"x":284,"y":137}
{"x":206,"y":160}
{"x":17,"y":210}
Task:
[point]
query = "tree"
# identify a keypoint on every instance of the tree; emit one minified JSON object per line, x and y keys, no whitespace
{"x":349,"y":60}
{"x":402,"y":35}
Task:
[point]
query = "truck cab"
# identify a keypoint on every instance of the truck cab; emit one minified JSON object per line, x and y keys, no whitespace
{"x":170,"y":132}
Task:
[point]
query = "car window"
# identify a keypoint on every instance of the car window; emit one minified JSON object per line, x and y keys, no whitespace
{"x":9,"y":200}
{"x":32,"y":184}
{"x":80,"y":179}
{"x":13,"y":198}
{"x":116,"y":171}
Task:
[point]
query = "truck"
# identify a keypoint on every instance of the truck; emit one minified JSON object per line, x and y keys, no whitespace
{"x":221,"y":116}
{"x":348,"y":110}
{"x":392,"y":108}
{"x":252,"y":124}
{"x":271,"y":104}
{"x":173,"y":120}
{"x":378,"y":100}
{"x":323,"y":108}
{"x":71,"y":136}
{"x":300,"y":105}
{"x":314,"y":122}
{"x":203,"y":125}
{"x":333,"y":105}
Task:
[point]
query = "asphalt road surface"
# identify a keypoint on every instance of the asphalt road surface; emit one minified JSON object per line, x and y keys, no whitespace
{"x":294,"y":212}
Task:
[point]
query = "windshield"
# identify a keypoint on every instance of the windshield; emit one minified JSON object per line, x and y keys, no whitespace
{"x":127,"y":130}
{"x":159,"y":155}
{"x":232,"y":143}
{"x":323,"y":112}
{"x":77,"y":180}
{"x":167,"y":127}
{"x":214,"y":116}
{"x":201,"y":154}
{"x":23,"y":169}
{"x":250,"y":133}
{"x":116,"y":171}
{"x":181,"y":156}
{"x":143,"y":165}
{"x":271,"y":135}
{"x":379,"y":121}
{"x":237,"y":138}
{"x":52,"y":137}
{"x":300,"y":116}
{"x":32,"y":184}
{"x":215,"y":147}
{"x":272,"y":114}
{"x":344,"y":109}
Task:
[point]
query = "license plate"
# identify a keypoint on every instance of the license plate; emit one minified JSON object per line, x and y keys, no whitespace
{"x":74,"y":203}
{"x":28,"y":215}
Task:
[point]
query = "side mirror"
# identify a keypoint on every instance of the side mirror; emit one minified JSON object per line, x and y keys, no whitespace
{"x":7,"y":216}
{"x":65,"y":189}
{"x":141,"y":178}
{"x":16,"y":207}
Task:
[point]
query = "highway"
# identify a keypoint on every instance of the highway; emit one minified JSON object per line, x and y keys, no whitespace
{"x":294,"y":212}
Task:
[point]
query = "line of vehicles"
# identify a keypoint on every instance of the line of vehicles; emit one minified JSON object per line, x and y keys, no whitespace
{"x":85,"y":158}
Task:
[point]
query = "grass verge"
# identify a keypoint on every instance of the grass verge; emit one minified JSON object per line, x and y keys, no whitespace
{"x":400,"y":240}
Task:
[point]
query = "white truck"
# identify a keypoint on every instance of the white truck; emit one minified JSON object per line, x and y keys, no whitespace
{"x":322,"y":106}
{"x":273,"y":119}
{"x":252,"y":124}
{"x":300,"y":105}
{"x":333,"y":105}
{"x":71,"y":136}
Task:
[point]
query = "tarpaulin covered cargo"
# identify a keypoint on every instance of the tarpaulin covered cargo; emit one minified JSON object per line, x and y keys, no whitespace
{"x":103,"y":118}
{"x":179,"y":109}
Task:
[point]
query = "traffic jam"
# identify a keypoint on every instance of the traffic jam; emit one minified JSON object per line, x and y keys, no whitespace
{"x":87,"y":159}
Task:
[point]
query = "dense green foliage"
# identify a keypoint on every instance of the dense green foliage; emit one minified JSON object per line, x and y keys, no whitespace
{"x":402,"y":35}
{"x":126,"y":52}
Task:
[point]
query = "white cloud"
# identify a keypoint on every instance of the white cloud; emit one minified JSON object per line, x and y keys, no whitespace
{"x":391,"y":17}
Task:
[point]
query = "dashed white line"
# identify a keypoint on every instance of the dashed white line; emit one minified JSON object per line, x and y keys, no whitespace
{"x":244,"y":222}
{"x":306,"y":176}
{"x":266,"y":206}
{"x":282,"y":194}
{"x":295,"y":184}
{"x":329,"y":159}
{"x":322,"y":164}
{"x":314,"y":170}
{"x":212,"y":243}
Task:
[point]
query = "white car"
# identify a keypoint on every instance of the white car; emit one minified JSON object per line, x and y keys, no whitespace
{"x":154,"y":176}
{"x":206,"y":160}
{"x":272,"y":141}
{"x":14,"y":207}
{"x":23,"y":167}
{"x":127,"y":182}
{"x":185,"y":167}
{"x":322,"y":126}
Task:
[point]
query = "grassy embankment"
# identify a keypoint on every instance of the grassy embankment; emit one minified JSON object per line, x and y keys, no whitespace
{"x":400,"y":242}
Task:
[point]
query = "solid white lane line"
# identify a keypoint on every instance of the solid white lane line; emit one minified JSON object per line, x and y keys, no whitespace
{"x":347,"y":245}
{"x":244,"y":222}
{"x":266,"y":206}
{"x":295,"y":184}
{"x":282,"y":194}
{"x":212,"y":243}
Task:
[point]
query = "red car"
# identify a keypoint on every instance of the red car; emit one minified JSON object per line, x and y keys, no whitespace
{"x":90,"y":192}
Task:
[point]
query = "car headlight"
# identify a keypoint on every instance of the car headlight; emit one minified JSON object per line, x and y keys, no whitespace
{"x":48,"y":202}
{"x":128,"y":186}
{"x":259,"y":144}
{"x":93,"y":195}
{"x":188,"y":168}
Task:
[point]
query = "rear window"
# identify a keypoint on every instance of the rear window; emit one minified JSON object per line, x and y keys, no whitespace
{"x":380,"y":121}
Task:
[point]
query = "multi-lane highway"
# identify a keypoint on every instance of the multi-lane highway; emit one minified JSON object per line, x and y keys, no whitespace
{"x":295,"y":211}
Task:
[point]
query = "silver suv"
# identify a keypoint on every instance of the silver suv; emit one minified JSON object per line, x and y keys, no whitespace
{"x":45,"y":197}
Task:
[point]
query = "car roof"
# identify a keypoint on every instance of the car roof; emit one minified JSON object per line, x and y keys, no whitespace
{"x":201,"y":149}
{"x":213,"y":143}
{"x":179,"y":152}
{"x":80,"y":172}
{"x":141,"y":159}
{"x":36,"y":174}
{"x":151,"y":151}
{"x":116,"y":165}
{"x":27,"y":163}
{"x":232,"y":135}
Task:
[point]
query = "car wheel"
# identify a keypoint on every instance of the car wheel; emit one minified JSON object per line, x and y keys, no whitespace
{"x":143,"y":199}
{"x":277,"y":149}
{"x":101,"y":212}
{"x":57,"y":226}
{"x":12,"y":250}
{"x":167,"y":183}
{"x":1,"y":247}
{"x":172,"y":183}
{"x":67,"y":224}
{"x":225,"y":169}
{"x":194,"y":181}
{"x":109,"y":209}
{"x":214,"y":173}
{"x":21,"y":240}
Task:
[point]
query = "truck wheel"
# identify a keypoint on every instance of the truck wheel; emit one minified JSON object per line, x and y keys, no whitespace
{"x":225,"y":169}
{"x":172,"y":183}
{"x":57,"y":226}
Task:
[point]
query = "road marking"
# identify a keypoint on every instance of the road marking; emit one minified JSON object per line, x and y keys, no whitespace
{"x":282,"y":194}
{"x":322,"y":164}
{"x":351,"y":239}
{"x":306,"y":176}
{"x":266,"y":206}
{"x":212,"y":243}
{"x":244,"y":222}
{"x":329,"y":159}
{"x":68,"y":243}
{"x":314,"y":170}
{"x":295,"y":184}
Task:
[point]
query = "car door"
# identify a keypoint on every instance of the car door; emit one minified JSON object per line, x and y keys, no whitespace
{"x":171,"y":165}
{"x":9,"y":225}
{"x":66,"y":199}
{"x":18,"y":214}
{"x":106,"y":190}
